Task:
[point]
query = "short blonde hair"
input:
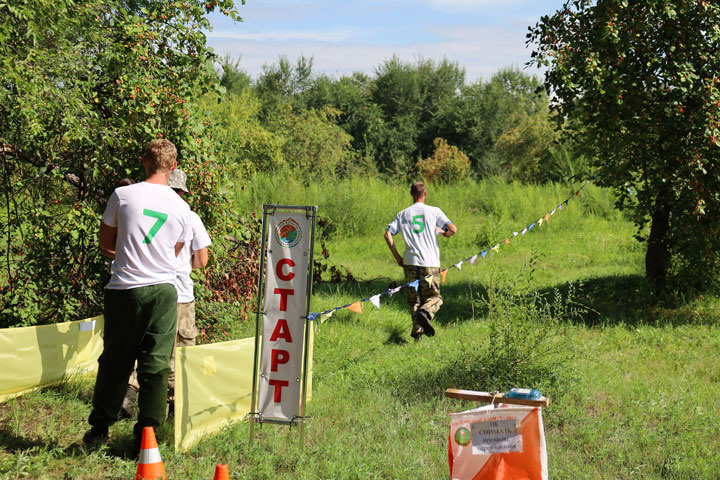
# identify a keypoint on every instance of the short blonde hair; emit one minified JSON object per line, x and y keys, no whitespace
{"x":160,"y":155}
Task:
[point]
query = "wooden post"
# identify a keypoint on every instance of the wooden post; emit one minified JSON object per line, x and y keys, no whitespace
{"x":487,"y":397}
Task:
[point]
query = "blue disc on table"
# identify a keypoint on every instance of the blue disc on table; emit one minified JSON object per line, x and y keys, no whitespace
{"x":524,"y":393}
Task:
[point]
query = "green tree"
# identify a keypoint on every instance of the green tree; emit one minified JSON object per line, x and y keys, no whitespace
{"x":238,"y":135}
{"x":533,"y":153}
{"x":234,"y":79}
{"x":486,"y":110}
{"x":83,"y":87}
{"x":642,"y":80}
{"x":525,"y":151}
{"x":314,"y":145}
{"x":416,"y":100}
{"x":359,"y":115}
{"x":280,"y":83}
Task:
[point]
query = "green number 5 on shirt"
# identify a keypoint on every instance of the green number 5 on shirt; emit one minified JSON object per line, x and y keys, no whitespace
{"x":418,"y":220}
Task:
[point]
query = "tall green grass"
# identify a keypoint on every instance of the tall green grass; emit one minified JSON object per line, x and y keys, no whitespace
{"x":355,"y":213}
{"x":361,"y":206}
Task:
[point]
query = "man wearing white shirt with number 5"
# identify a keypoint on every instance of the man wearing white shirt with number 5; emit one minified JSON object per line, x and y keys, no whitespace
{"x":420,"y":224}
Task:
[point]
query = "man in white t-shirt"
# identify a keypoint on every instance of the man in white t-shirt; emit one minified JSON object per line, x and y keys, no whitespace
{"x":193,"y":255}
{"x":420,"y":225}
{"x":144,"y":226}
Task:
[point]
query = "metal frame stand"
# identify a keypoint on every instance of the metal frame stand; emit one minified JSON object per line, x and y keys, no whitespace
{"x":254,"y":415}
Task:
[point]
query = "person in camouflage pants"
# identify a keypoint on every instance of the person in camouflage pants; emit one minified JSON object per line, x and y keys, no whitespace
{"x":426,"y":298}
{"x":420,"y":224}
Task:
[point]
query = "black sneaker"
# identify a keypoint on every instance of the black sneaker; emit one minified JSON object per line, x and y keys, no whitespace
{"x":96,"y":436}
{"x":417,"y":335}
{"x":424,"y":320}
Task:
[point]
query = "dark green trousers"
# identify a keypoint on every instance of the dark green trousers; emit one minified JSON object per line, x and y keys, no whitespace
{"x":139,"y":324}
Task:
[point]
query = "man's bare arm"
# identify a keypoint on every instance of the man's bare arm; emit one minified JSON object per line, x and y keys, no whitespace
{"x":391,"y":245}
{"x":200,"y":258}
{"x":178,"y":248}
{"x":107,"y":240}
{"x":450,"y":230}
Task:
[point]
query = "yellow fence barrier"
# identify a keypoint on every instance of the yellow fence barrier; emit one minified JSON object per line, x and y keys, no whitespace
{"x":213,"y":387}
{"x":35,"y":357}
{"x":213,"y":382}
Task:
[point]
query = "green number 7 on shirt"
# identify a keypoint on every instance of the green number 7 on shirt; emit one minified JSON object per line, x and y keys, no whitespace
{"x":161,"y":219}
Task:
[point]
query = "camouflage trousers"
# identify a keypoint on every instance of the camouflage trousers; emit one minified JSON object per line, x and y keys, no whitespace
{"x":426,"y":297}
{"x":185,"y":335}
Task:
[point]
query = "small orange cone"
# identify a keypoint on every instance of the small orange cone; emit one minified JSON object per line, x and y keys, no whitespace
{"x":150,"y":465}
{"x":221,"y":472}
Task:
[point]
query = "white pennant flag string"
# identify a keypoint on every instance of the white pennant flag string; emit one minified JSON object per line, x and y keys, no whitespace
{"x":375,"y":299}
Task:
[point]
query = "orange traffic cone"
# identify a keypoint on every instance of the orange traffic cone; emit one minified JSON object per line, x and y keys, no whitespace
{"x":150,"y":465}
{"x":221,"y":472}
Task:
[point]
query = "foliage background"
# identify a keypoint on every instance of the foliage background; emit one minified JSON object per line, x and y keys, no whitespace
{"x":82,"y":95}
{"x":79,"y":108}
{"x":84,"y":87}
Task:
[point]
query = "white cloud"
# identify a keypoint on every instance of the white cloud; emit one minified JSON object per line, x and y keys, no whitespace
{"x":338,"y":35}
{"x":480,"y":50}
{"x":482,"y":36}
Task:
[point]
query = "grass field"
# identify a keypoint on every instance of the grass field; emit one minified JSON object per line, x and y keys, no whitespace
{"x":634,"y":383}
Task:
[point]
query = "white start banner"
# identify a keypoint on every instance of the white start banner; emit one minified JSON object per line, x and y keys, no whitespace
{"x":281,"y":359}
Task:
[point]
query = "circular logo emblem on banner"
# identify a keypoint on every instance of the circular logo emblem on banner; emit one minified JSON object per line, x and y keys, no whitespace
{"x":288,"y":233}
{"x":462,"y":436}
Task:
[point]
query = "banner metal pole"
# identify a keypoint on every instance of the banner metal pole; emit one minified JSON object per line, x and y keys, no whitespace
{"x":308,"y":323}
{"x":253,"y":406}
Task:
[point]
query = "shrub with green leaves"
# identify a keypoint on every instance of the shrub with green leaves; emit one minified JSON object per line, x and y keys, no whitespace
{"x":313,"y":145}
{"x":238,"y":135}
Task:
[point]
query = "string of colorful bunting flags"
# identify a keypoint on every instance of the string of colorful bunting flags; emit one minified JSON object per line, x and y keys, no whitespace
{"x":375,"y":299}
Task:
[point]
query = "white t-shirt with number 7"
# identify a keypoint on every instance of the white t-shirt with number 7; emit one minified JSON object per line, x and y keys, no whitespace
{"x":417,"y":223}
{"x":150,"y":219}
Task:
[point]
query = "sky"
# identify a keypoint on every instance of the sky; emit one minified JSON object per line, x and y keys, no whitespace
{"x":345,"y":36}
